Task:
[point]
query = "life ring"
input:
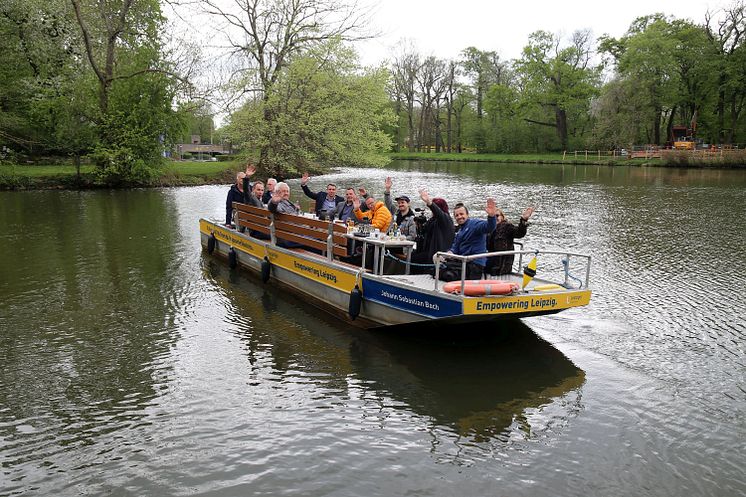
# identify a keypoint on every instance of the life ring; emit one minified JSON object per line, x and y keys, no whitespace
{"x":474,"y":288}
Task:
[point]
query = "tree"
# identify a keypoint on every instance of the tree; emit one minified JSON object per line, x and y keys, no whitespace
{"x":325,"y":112}
{"x":404,"y":75}
{"x":557,"y":79}
{"x":485,"y":69}
{"x":136,"y":86}
{"x":266,"y":36}
{"x":727,"y":38}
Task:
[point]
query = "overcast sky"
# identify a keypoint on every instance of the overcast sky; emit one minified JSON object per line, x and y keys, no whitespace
{"x":444,"y":27}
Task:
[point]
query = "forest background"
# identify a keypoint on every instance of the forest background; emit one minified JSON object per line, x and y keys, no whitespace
{"x":113,"y":83}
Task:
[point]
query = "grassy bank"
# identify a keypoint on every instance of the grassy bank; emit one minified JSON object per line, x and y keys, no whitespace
{"x":733,"y":159}
{"x":186,"y":173}
{"x":548,"y":158}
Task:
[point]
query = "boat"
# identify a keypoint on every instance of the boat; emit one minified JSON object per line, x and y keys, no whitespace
{"x":307,"y":256}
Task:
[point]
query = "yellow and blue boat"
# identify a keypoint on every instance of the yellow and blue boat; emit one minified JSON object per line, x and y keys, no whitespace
{"x":372,"y":298}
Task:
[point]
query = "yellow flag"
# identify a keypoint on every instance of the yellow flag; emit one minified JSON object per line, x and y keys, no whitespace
{"x":529,"y":272}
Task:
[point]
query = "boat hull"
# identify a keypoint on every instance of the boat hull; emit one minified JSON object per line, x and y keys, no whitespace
{"x":387,"y":301}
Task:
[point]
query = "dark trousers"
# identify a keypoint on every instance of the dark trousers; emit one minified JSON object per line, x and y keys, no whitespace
{"x":452,"y":271}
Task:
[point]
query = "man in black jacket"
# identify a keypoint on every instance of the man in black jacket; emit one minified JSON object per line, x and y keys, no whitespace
{"x":326,"y":201}
{"x":236,"y":193}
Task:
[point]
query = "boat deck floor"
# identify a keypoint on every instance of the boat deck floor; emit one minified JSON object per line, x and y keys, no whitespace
{"x":427,"y":282}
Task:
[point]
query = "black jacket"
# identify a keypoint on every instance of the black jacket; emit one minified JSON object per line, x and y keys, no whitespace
{"x":234,"y":195}
{"x":502,"y":239}
{"x":319,"y":198}
{"x":438,"y":236}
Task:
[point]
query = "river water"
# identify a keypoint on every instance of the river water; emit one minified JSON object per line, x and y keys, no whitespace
{"x":132,"y":363}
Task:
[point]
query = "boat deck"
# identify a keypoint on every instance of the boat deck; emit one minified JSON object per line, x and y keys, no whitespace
{"x":427,"y":282}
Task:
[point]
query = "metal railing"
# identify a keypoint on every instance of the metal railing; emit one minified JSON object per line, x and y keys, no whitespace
{"x":439,"y":257}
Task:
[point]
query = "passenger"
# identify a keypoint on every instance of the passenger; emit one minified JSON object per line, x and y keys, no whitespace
{"x":436,"y":234}
{"x":236,"y":193}
{"x":326,"y":201}
{"x":255,"y":199}
{"x":502,"y":239}
{"x":257,"y":192}
{"x":471,"y":239}
{"x":280,"y":202}
{"x":269,"y":190}
{"x":404,"y":216}
{"x":379,"y":215}
{"x":343,"y":211}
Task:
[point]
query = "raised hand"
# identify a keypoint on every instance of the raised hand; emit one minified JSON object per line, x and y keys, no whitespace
{"x":388,"y":183}
{"x":362,"y":191}
{"x":425,"y":196}
{"x":356,"y":202}
{"x":250,"y":169}
{"x":527,"y":213}
{"x":304,"y":179}
{"x":276,"y":196}
{"x":491,"y":207}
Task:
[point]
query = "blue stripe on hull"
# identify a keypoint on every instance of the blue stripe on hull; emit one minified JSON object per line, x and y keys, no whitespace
{"x":408,"y":300}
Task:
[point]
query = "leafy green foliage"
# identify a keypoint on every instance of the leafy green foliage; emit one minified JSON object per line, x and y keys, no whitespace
{"x":320,"y":111}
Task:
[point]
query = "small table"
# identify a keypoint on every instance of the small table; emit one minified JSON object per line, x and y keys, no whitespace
{"x":378,"y":254}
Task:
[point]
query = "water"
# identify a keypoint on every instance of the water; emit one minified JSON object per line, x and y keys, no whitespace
{"x":131,"y":363}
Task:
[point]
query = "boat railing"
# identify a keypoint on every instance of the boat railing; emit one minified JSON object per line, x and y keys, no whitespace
{"x":565,"y":261}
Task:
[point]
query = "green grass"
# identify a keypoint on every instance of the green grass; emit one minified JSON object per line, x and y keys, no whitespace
{"x":546,"y":158}
{"x":31,"y":176}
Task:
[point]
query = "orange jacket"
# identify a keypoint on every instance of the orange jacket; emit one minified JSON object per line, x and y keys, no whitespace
{"x":381,"y":216}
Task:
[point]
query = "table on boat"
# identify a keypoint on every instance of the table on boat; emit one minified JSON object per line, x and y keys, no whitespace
{"x":379,"y":249}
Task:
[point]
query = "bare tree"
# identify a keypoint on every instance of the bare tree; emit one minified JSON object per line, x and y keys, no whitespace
{"x":265,"y":35}
{"x":405,"y":68}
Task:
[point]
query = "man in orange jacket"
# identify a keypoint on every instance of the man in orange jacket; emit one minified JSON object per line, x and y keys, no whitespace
{"x":379,"y":215}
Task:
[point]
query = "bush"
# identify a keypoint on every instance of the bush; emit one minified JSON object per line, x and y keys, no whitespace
{"x":118,"y":167}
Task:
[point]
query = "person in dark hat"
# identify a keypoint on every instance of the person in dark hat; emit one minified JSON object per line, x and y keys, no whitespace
{"x":404,"y":217}
{"x":437,"y":235}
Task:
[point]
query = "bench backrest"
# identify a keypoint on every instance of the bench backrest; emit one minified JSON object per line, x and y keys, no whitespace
{"x":305,"y":231}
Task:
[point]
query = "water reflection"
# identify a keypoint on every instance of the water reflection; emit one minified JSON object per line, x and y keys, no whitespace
{"x":481,"y":385}
{"x":87,"y":313}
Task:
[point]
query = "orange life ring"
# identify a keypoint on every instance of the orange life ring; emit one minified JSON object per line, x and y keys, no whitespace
{"x":474,"y":288}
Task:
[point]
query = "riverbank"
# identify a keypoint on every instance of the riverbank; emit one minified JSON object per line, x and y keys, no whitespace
{"x":191,"y":173}
{"x":691,"y":159}
{"x":65,"y":176}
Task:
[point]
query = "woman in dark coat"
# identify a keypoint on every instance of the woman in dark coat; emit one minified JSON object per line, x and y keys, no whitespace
{"x":502,"y":239}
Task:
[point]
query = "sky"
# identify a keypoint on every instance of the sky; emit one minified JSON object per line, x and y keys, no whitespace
{"x":445,"y":27}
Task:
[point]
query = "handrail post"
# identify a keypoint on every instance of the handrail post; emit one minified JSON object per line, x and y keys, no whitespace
{"x":330,"y":242}
{"x":272,"y":237}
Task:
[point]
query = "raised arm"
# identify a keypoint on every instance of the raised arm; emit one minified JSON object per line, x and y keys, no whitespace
{"x":388,"y":202}
{"x":304,"y":186}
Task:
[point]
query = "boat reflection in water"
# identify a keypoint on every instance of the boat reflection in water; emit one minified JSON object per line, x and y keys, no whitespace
{"x":484,"y":383}
{"x":480,"y":387}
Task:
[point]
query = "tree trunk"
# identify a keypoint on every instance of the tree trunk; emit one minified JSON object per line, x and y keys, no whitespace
{"x":561,"y":116}
{"x":657,"y":125}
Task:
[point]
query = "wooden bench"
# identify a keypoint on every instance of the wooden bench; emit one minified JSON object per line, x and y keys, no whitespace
{"x":323,"y":236}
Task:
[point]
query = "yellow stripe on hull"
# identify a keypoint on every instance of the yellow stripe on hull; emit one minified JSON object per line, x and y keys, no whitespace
{"x":526,"y":303}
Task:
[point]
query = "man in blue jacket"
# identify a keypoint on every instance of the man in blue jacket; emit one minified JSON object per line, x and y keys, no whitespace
{"x":470,"y":239}
{"x":326,"y":201}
